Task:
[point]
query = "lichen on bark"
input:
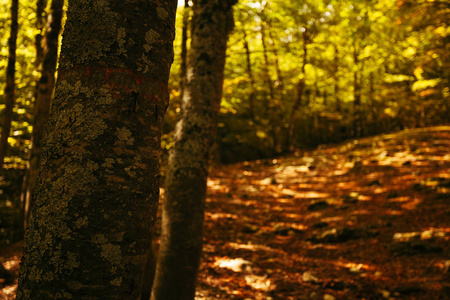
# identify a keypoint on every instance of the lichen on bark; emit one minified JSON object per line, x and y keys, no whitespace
{"x":98,"y":182}
{"x":183,"y":209}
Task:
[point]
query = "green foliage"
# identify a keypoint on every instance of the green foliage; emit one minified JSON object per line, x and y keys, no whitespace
{"x":397,"y":49}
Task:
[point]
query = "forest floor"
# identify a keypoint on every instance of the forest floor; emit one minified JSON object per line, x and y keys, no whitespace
{"x":365,"y":219}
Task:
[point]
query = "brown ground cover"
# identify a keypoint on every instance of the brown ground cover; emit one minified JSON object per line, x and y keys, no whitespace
{"x":366,"y":219}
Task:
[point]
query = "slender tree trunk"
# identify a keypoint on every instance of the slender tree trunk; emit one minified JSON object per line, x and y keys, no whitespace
{"x":277,"y":117}
{"x":357,"y":126}
{"x":267,"y":64}
{"x":10,"y":82}
{"x":290,"y":140}
{"x":272,"y":105}
{"x":336,"y":79}
{"x":42,"y":105}
{"x":251,"y":77}
{"x":98,"y":182}
{"x":40,"y":24}
{"x":183,"y":208}
{"x":184,"y":50}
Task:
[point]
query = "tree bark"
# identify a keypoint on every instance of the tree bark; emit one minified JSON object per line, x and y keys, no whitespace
{"x":43,"y":98}
{"x":10,"y":82}
{"x":98,"y":182}
{"x":183,"y":208}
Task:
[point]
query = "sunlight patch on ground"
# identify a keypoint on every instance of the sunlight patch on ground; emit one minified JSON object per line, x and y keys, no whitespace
{"x":305,"y":185}
{"x":393,"y":212}
{"x":362,"y":212}
{"x":217,"y":216}
{"x":292,"y":216}
{"x":400,"y":199}
{"x":354,"y":267}
{"x":340,"y":172}
{"x":300,"y":227}
{"x":234,"y":264}
{"x":322,"y":246}
{"x":380,"y":190}
{"x":311,"y":195}
{"x":283,"y":200}
{"x":259,"y":282}
{"x":293,"y":170}
{"x":251,"y":247}
{"x":245,"y":202}
{"x":364,"y":198}
{"x":332,"y":219}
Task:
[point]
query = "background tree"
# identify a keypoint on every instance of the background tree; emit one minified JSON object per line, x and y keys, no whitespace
{"x":183,"y":208}
{"x":90,"y":225}
{"x":10,"y":82}
{"x":44,"y":94}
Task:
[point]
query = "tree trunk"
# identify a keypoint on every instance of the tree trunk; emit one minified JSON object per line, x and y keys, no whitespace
{"x":357,"y":121}
{"x":98,"y":182}
{"x":10,"y":82}
{"x":40,"y":24}
{"x":290,"y":140}
{"x":251,"y":77}
{"x":336,"y":79}
{"x":42,"y":105}
{"x":183,"y":208}
{"x":184,"y":51}
{"x":271,"y":103}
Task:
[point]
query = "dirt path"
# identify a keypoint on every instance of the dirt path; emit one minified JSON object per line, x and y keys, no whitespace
{"x":368,"y":219}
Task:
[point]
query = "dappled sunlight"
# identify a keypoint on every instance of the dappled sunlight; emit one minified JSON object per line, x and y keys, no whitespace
{"x":260,"y":283}
{"x":362,"y":212}
{"x":333,"y":219}
{"x":393,"y":212}
{"x":355,"y":267}
{"x":311,"y":195}
{"x":251,"y":247}
{"x":216,"y":216}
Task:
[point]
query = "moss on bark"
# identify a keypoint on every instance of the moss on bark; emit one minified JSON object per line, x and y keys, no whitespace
{"x":98,"y":182}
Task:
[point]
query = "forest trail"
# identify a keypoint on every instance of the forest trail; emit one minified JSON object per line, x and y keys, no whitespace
{"x":365,"y":219}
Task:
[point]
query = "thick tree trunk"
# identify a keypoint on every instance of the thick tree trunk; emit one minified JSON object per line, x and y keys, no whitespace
{"x":183,"y":209}
{"x":10,"y":82}
{"x":42,"y":105}
{"x":98,"y":182}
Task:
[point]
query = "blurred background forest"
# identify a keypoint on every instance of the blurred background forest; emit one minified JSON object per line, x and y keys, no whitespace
{"x":299,"y":74}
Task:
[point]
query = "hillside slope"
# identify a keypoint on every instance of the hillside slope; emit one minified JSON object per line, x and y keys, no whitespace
{"x":367,"y":219}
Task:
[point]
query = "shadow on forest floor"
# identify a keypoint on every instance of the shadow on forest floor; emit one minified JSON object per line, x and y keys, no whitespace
{"x":367,"y":219}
